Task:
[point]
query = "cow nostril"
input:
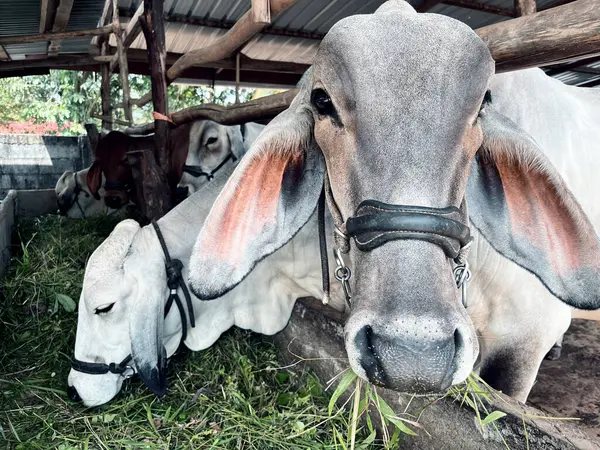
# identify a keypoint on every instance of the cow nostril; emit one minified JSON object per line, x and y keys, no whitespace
{"x":73,"y":394}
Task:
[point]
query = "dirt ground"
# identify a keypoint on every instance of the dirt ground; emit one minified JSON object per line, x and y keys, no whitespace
{"x":570,"y":387}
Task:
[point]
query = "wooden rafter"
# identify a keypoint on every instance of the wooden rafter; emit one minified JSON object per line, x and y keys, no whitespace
{"x":104,"y":20}
{"x":524,"y":7}
{"x":3,"y":54}
{"x":129,"y":35}
{"x":261,"y":11}
{"x":47,"y":13}
{"x":225,"y":46}
{"x":123,"y":67}
{"x":103,"y":31}
{"x":563,"y":33}
{"x":61,"y":20}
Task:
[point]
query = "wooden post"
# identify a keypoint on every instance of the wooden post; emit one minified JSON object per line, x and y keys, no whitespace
{"x":158,"y":190}
{"x":63,"y":13}
{"x":105,"y":91}
{"x":524,"y":7}
{"x":261,"y":11}
{"x":123,"y":68}
{"x":150,"y":183}
{"x":237,"y":78}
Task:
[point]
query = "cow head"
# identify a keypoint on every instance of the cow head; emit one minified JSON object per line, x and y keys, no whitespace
{"x":120,"y":314}
{"x":73,"y":196}
{"x":395,"y":110}
{"x":110,"y":161}
{"x":211,"y":147}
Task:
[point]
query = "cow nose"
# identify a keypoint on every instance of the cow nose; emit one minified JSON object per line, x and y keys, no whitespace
{"x":113,"y":201}
{"x":407,"y":364}
{"x":73,"y":394}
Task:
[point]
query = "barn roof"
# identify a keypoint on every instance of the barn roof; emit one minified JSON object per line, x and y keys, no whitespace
{"x":275,"y":57}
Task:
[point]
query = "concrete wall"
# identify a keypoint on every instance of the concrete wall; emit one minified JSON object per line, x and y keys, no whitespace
{"x":7,"y":219}
{"x":29,"y":161}
{"x":21,"y":204}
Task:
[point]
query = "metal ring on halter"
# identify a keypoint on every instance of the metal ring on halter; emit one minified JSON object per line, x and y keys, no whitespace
{"x":462,"y":275}
{"x":343,"y":273}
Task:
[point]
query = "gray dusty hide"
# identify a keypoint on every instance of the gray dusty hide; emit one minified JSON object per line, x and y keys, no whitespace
{"x":316,"y":332}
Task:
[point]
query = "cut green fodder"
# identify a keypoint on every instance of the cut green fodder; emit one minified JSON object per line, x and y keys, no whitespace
{"x":230,"y":396}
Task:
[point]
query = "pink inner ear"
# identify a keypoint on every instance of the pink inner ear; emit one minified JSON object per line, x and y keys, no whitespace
{"x":251,"y":208}
{"x":539,"y":214}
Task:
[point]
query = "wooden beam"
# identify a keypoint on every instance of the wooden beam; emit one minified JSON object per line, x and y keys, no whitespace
{"x":109,"y":119}
{"x":468,"y":4}
{"x":159,"y":194}
{"x":524,"y":7}
{"x":261,"y":11}
{"x":130,"y":34}
{"x":427,"y":5}
{"x":47,"y":14}
{"x":123,"y":68}
{"x":103,"y":31}
{"x":255,"y":110}
{"x":104,"y":19}
{"x":105,"y":93}
{"x":61,"y":20}
{"x":557,"y":34}
{"x":244,"y":30}
{"x":3,"y":55}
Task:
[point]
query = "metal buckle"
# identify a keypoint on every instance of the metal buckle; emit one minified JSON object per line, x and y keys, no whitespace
{"x":462,"y":275}
{"x":343,"y":273}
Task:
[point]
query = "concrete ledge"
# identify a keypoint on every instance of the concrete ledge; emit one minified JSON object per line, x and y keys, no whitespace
{"x":21,"y":204}
{"x":7,"y":220}
{"x":315,"y":332}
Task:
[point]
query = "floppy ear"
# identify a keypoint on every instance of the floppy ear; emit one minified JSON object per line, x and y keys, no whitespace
{"x":521,"y":205}
{"x":269,"y":197}
{"x":145,"y":267}
{"x":94,"y":179}
{"x":236,"y":140}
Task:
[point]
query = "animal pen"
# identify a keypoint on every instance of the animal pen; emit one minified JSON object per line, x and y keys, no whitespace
{"x":269,"y":43}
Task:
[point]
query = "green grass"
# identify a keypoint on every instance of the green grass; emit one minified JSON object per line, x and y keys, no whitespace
{"x":231,"y":396}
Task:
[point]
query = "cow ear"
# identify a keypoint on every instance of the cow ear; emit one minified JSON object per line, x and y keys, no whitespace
{"x":521,"y":205}
{"x":236,"y":141}
{"x":269,"y":197}
{"x":145,"y":269}
{"x":94,"y":179}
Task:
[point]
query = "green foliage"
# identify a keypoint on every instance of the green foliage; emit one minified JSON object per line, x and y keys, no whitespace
{"x":72,"y":97}
{"x":233,"y":395}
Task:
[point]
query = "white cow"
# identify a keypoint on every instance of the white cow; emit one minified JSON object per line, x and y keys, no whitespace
{"x":395,"y":122}
{"x":74,"y":198}
{"x":125,"y":291}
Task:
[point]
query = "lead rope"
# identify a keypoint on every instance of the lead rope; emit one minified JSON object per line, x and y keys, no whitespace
{"x":175,"y":280}
{"x":323,"y":248}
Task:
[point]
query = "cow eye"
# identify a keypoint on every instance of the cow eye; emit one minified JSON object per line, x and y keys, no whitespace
{"x":211,"y":140}
{"x":487,"y":98}
{"x":322,"y":102}
{"x":104,"y":309}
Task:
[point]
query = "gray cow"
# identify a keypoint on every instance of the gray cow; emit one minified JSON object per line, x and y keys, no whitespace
{"x":403,"y":123}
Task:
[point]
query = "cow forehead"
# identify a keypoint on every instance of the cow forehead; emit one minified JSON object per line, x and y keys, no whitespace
{"x":405,"y":53}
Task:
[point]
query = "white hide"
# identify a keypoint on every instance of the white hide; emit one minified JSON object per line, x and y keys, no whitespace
{"x":85,"y":205}
{"x":507,"y":304}
{"x":210,"y":144}
{"x":262,"y":303}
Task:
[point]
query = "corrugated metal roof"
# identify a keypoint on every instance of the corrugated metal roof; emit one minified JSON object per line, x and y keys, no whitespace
{"x":314,"y":17}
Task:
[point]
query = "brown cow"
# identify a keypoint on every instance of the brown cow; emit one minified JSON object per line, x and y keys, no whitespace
{"x":110,"y":160}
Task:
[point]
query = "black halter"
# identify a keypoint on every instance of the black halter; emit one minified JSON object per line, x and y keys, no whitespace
{"x":174,"y":281}
{"x":376,"y":223}
{"x":75,"y":200}
{"x":197,"y":171}
{"x":116,"y":186}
